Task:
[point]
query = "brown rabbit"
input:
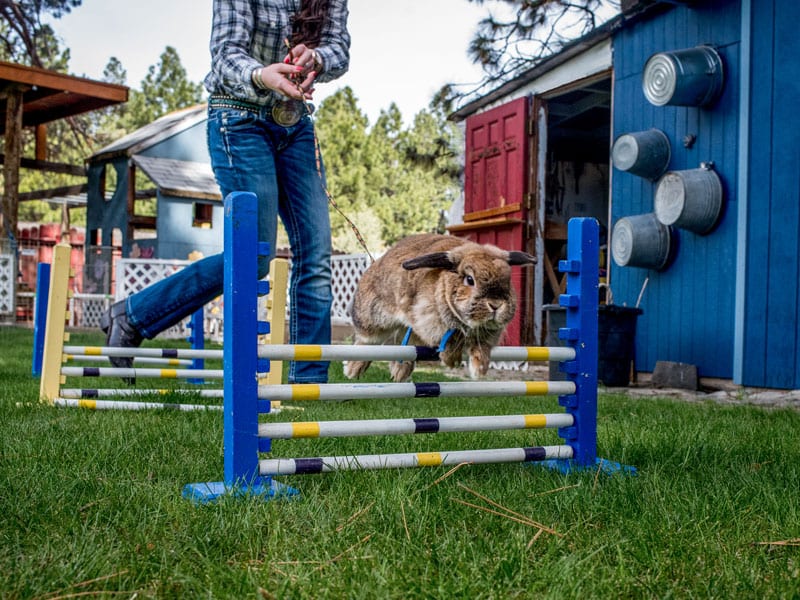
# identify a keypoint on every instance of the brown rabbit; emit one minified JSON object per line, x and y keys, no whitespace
{"x":435,"y":284}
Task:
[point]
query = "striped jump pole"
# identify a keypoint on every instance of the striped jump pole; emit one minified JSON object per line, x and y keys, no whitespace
{"x":280,"y":352}
{"x":307,"y":466}
{"x":50,"y":353}
{"x":245,"y":439}
{"x":357,"y":391}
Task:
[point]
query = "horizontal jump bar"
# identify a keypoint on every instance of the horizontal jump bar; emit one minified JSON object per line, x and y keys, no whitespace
{"x":148,"y":352}
{"x":304,"y":466}
{"x":172,"y":362}
{"x":122,"y":392}
{"x":310,"y":352}
{"x":320,"y":429}
{"x":122,"y":405}
{"x":351,"y":391}
{"x":143,"y":373}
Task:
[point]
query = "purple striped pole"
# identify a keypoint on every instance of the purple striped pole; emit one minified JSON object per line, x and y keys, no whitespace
{"x":307,"y":466}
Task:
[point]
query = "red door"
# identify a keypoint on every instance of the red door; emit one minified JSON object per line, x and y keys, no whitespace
{"x":496,"y":192}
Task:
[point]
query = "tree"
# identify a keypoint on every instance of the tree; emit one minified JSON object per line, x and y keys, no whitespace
{"x":164,"y":89}
{"x":391,"y":181}
{"x":522,"y":33}
{"x":24,"y":38}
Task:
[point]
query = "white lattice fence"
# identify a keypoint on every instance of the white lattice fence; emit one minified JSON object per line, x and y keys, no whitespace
{"x":135,"y":274}
{"x":347,"y":270}
{"x":85,"y":310}
{"x":8,"y":278}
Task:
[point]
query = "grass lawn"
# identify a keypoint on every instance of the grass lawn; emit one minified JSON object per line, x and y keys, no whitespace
{"x":91,"y":506}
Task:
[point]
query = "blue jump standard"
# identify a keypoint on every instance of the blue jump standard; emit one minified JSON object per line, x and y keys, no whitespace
{"x":242,"y":445}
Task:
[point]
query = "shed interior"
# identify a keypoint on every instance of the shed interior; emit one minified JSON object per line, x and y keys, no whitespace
{"x":577,"y":168}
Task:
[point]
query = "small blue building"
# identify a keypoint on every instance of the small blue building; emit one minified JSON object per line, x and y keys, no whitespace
{"x":166,"y":161}
{"x":725,"y":295}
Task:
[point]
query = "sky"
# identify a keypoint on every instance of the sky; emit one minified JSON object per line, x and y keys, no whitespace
{"x":402,"y":51}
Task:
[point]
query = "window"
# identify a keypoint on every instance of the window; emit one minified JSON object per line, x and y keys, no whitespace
{"x":203,"y":215}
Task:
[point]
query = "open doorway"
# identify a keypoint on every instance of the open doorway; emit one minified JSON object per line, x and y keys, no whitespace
{"x":575,"y":171}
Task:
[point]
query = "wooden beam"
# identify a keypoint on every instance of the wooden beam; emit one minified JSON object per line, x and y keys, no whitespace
{"x":46,"y":165}
{"x":479,"y":215}
{"x":67,"y":190}
{"x":472,"y":226}
{"x":195,"y":195}
{"x":41,"y":142}
{"x":42,"y":78}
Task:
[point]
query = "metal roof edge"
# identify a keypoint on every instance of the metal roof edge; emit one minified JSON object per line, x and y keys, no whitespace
{"x":136,"y":146}
{"x":544,"y":66}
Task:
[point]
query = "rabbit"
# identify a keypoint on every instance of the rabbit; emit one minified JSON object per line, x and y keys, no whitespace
{"x":433,"y":284}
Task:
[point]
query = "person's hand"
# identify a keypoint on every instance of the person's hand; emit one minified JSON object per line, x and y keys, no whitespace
{"x":303,"y":57}
{"x":285,"y":79}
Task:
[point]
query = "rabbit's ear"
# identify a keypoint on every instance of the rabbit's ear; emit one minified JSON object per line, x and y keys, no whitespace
{"x":520,"y":258}
{"x":435,"y":260}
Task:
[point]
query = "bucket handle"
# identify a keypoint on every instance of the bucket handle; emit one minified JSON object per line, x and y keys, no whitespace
{"x":609,"y":293}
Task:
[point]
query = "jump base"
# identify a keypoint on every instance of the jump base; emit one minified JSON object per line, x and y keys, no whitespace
{"x":609,"y":467}
{"x":266,"y":489}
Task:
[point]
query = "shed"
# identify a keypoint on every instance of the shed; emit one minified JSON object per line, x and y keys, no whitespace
{"x":172,"y":156}
{"x":537,"y":155}
{"x":726,"y":297}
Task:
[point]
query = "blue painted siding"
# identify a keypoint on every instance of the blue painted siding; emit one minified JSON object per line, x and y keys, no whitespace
{"x":771,"y":306}
{"x":190,"y":144}
{"x":181,"y":238}
{"x":689,"y":307}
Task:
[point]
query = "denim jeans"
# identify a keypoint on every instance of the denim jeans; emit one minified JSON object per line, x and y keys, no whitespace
{"x":251,"y":153}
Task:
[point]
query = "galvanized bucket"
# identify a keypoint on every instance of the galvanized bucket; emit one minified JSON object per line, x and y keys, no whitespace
{"x":641,"y":241}
{"x":690,"y":77}
{"x":642,"y":153}
{"x":690,"y":199}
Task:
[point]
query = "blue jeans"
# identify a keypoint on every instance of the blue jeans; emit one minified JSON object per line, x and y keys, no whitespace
{"x":251,"y":153}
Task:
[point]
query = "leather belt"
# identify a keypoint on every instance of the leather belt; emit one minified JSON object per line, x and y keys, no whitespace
{"x":284,"y":112}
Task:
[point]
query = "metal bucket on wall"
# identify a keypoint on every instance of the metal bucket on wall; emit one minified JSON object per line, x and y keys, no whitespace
{"x":641,"y":241}
{"x":690,"y":77}
{"x":642,"y":153}
{"x":689,"y":199}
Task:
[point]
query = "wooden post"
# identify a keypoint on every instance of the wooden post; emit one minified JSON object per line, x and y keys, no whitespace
{"x":13,"y":158}
{"x":276,"y":314}
{"x":55,"y":330}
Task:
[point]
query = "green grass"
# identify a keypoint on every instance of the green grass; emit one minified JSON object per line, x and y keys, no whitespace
{"x":91,"y":506}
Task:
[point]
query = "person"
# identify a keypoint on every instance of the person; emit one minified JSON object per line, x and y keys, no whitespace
{"x":266,"y":56}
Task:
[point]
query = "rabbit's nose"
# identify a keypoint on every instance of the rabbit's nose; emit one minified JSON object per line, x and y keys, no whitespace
{"x":495,"y":305}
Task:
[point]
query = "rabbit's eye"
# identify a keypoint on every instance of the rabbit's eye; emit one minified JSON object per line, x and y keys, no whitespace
{"x":469,"y":281}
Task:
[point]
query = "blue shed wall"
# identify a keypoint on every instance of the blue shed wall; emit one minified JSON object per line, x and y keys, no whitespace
{"x":180,"y":238}
{"x":191,"y":144}
{"x":770,"y":329}
{"x":688,"y":307}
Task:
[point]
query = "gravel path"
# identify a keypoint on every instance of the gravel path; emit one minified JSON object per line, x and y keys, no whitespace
{"x":713,"y":390}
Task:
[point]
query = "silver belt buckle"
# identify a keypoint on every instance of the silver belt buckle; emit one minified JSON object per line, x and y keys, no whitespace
{"x":288,"y":112}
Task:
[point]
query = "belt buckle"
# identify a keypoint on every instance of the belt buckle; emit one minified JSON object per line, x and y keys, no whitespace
{"x":288,"y":112}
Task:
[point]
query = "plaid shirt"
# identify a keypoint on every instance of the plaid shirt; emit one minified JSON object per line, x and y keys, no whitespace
{"x":247,"y":34}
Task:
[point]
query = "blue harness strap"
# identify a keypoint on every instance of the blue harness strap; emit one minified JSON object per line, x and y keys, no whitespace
{"x":442,"y":344}
{"x":445,"y":337}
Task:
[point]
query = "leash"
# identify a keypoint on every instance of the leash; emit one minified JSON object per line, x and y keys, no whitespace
{"x":318,"y":159}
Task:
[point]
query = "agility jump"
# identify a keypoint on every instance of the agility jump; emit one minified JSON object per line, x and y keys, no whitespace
{"x":245,"y":439}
